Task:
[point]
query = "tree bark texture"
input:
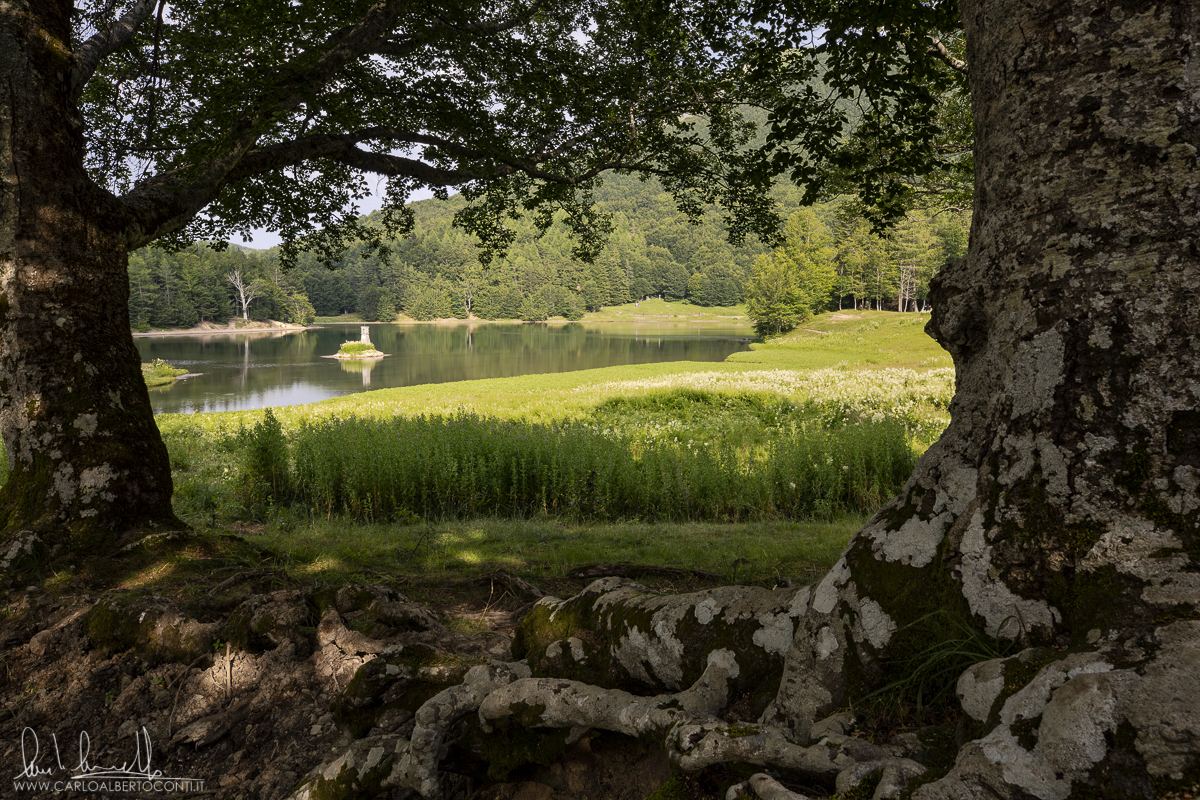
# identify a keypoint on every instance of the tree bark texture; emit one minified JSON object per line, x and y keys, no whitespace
{"x":75,"y":414}
{"x":1060,"y":506}
{"x":618,"y":635}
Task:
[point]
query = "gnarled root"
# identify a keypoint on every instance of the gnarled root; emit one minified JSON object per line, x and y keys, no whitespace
{"x":419,"y":768}
{"x":620,"y":635}
{"x":392,"y":761}
{"x":695,"y":739}
{"x":764,"y":787}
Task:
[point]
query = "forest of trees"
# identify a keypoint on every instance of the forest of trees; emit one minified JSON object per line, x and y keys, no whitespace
{"x":653,"y":250}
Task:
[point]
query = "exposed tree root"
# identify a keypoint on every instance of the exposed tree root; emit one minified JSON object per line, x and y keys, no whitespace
{"x":517,"y":586}
{"x":413,"y":709}
{"x":619,"y":634}
{"x":764,"y":787}
{"x":419,"y":769}
{"x":685,"y":722}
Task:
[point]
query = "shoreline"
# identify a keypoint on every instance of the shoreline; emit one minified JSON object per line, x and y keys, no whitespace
{"x":284,"y":327}
{"x":652,"y":311}
{"x":207,"y":328}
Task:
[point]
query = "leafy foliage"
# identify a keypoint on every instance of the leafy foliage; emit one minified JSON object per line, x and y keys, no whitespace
{"x":875,"y":101}
{"x":773,"y":297}
{"x":795,"y":281}
{"x":216,"y":119}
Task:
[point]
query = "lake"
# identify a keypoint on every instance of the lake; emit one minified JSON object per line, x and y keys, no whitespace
{"x":280,"y":368}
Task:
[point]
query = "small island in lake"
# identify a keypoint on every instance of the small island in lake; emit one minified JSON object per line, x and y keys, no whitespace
{"x":160,"y":373}
{"x":360,"y":349}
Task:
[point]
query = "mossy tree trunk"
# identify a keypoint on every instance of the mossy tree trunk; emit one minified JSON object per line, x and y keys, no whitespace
{"x":1060,"y":506}
{"x":82,"y":446}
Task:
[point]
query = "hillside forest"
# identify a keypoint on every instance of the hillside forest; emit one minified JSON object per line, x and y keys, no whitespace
{"x":830,"y":259}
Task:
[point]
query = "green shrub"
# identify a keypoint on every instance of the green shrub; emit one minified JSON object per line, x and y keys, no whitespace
{"x":266,"y":471}
{"x":355,"y":348}
{"x":160,"y":373}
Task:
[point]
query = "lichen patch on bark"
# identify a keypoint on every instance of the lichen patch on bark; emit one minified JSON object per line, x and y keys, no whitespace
{"x":825,"y":596}
{"x":874,"y":625}
{"x":1002,"y":611}
{"x":979,"y":686}
{"x":1037,"y":370}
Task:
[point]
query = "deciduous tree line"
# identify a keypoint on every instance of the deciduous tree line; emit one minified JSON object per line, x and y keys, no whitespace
{"x":830,"y":259}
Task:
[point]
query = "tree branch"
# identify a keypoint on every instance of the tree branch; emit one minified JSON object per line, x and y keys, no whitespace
{"x":498,"y":26}
{"x":395,"y":49}
{"x":342,"y":148}
{"x":166,"y":203}
{"x":937,"y":48}
{"x":392,"y":166}
{"x":102,"y":44}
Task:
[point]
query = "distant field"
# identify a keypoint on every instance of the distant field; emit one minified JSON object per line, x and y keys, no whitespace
{"x":676,"y":311}
{"x":342,"y":318}
{"x":871,"y":339}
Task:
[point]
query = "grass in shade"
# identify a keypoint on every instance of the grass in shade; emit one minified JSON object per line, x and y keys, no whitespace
{"x":545,"y":551}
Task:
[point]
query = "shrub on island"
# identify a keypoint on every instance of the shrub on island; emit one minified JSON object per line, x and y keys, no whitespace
{"x":357,"y":349}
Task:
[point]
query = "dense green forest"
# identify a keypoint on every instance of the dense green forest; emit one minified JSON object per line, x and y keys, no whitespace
{"x":653,"y":250}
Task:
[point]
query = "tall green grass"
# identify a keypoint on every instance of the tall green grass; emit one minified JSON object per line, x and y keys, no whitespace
{"x":466,"y":466}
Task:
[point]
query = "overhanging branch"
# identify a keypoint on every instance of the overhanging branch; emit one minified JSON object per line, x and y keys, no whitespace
{"x":102,"y":44}
{"x":166,"y":203}
{"x":497,"y":26}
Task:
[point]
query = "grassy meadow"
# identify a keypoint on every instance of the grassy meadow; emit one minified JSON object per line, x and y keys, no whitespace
{"x":756,"y":469}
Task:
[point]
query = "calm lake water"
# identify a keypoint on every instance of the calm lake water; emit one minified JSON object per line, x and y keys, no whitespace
{"x":274,"y":368}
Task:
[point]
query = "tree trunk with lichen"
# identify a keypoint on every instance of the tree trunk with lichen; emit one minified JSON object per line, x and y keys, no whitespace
{"x":1060,"y":506}
{"x":83,"y":450}
{"x":1059,"y":510}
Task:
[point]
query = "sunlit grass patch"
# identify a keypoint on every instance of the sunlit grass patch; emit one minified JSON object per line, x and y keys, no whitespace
{"x":860,"y":339}
{"x":160,"y":373}
{"x":464,"y":466}
{"x":667,"y":310}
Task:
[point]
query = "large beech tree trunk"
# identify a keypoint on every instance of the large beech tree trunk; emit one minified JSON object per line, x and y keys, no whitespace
{"x":1061,"y":503}
{"x":78,"y":429}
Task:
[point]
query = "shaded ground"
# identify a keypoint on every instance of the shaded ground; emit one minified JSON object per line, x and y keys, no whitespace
{"x":201,"y":658}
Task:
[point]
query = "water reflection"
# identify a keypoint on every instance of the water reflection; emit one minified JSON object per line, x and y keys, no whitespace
{"x":360,"y":365}
{"x":275,"y":368}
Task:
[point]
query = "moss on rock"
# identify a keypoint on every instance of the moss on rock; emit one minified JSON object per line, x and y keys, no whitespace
{"x":150,"y":626}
